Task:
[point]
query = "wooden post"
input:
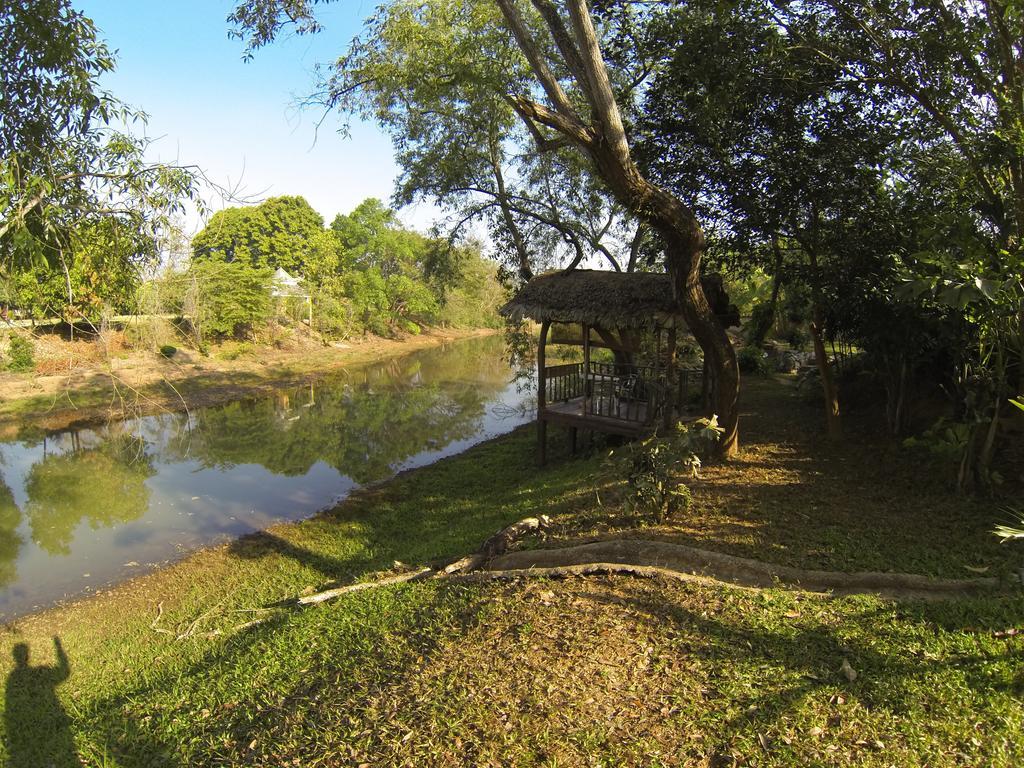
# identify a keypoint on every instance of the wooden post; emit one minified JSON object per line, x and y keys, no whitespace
{"x":542,"y":386}
{"x":587,"y":382}
{"x":672,"y":403}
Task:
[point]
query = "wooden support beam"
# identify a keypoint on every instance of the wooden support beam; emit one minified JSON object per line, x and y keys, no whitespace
{"x":542,"y":385}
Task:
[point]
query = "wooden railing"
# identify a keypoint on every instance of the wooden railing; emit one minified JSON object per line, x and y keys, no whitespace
{"x":629,"y":393}
{"x":632,"y":393}
{"x":563,"y":382}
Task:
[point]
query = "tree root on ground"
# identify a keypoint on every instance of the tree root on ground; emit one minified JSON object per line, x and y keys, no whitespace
{"x":632,"y":557}
{"x":718,"y":567}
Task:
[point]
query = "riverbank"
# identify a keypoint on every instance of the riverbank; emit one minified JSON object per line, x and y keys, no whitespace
{"x":135,"y":384}
{"x":166,"y":670}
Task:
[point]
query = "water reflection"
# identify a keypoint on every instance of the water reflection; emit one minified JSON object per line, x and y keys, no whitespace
{"x":83,"y":508}
{"x":104,"y":486}
{"x":10,"y":541}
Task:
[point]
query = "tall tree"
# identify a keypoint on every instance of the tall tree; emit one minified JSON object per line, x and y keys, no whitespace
{"x":64,"y":163}
{"x":781,"y":158}
{"x":553,"y":77}
{"x":275,"y":233}
{"x":952,"y":74}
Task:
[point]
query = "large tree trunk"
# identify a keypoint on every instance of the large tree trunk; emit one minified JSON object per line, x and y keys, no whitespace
{"x":603,"y":138}
{"x":684,"y":248}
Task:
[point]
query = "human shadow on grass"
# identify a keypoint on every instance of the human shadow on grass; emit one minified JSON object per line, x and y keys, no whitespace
{"x":37,"y":730}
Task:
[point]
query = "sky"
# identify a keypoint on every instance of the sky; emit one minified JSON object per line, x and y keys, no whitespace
{"x":238,"y":120}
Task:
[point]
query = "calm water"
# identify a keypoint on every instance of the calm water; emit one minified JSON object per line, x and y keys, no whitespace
{"x":82,"y":509}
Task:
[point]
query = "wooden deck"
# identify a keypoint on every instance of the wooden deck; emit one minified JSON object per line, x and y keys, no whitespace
{"x":571,"y":413}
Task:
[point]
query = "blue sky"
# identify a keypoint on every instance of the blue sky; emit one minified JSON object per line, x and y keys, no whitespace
{"x":237,"y":120}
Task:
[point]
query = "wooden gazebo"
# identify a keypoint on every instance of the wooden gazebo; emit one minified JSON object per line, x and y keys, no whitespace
{"x":636,"y":317}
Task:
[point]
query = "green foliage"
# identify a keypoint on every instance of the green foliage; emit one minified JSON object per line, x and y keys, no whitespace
{"x":474,"y":300}
{"x":762,"y":318}
{"x":234,"y":297}
{"x":1012,"y":530}
{"x":653,"y":467}
{"x":62,"y":160}
{"x":1018,"y":403}
{"x":752,"y":360}
{"x":797,"y":338}
{"x":100,"y":272}
{"x":20,"y":355}
{"x":275,"y":233}
{"x":945,"y":440}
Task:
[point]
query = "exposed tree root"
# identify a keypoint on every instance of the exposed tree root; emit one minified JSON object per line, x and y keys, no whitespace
{"x":633,"y":557}
{"x":719,"y":567}
{"x":497,"y":544}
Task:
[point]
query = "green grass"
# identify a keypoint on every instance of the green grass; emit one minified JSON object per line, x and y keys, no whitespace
{"x":602,"y":672}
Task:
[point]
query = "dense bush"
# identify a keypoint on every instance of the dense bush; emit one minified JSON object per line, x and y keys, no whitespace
{"x":798,"y":339}
{"x":234,"y":298}
{"x":752,"y":361}
{"x":762,"y":318}
{"x":20,"y":355}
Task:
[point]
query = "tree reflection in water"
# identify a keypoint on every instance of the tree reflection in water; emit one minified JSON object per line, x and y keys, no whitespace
{"x":363,"y":423}
{"x":103,"y":486}
{"x":10,"y":540}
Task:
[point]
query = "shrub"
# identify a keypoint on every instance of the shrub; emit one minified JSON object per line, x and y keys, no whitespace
{"x":762,"y":318}
{"x":20,"y":355}
{"x":149,"y":333}
{"x":233,"y":297}
{"x":653,"y":467}
{"x":752,"y":361}
{"x":797,"y":339}
{"x":168,"y":351}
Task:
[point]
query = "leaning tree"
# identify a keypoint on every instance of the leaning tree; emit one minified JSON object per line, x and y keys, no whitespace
{"x":541,"y":63}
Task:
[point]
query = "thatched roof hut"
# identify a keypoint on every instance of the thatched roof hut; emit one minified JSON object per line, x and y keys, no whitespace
{"x":637,"y":317}
{"x":612,"y":300}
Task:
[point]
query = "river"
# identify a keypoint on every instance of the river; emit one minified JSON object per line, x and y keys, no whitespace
{"x":84,"y":509}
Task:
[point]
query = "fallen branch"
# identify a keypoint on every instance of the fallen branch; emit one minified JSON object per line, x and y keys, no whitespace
{"x":330,"y":594}
{"x":159,"y":615}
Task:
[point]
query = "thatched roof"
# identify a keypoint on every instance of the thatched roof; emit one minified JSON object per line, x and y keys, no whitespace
{"x":607,"y":299}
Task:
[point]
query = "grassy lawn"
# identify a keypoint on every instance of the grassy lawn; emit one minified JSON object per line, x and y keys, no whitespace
{"x":600,"y":671}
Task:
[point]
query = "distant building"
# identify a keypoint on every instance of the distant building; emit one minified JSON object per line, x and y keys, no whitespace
{"x":284,"y":285}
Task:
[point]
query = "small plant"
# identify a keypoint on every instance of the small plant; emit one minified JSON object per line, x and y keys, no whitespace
{"x":168,"y":351}
{"x":797,"y":339}
{"x":1013,"y":530}
{"x":654,"y":465}
{"x":752,"y":361}
{"x":21,"y":355}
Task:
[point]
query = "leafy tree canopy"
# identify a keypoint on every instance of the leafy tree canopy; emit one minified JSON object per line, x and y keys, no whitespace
{"x":64,"y":162}
{"x":275,"y":233}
